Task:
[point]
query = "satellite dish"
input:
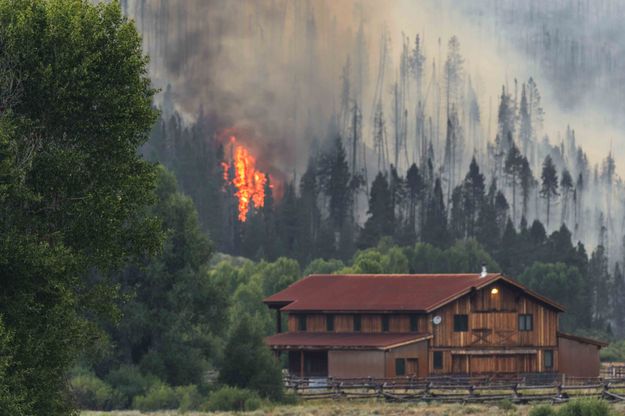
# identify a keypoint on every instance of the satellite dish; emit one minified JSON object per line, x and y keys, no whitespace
{"x":437,"y":320}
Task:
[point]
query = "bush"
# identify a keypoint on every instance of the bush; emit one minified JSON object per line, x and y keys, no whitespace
{"x":94,"y":394}
{"x":506,"y":405}
{"x":233,"y":399}
{"x":130,"y":382}
{"x":542,"y":410}
{"x":585,"y":407}
{"x":159,"y":397}
{"x":189,"y":398}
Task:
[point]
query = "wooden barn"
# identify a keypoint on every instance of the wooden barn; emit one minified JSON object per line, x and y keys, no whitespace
{"x":383,"y":326}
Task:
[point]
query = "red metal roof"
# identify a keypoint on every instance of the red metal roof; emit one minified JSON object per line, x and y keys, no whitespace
{"x":383,"y":292}
{"x":333,"y":340}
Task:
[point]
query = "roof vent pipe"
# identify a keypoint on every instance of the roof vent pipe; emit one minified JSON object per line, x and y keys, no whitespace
{"x":484,"y":272}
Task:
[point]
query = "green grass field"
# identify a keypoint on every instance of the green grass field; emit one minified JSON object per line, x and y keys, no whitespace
{"x":333,"y":408}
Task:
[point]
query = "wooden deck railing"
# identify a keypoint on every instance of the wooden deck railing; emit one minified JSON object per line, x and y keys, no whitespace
{"x":518,"y":389}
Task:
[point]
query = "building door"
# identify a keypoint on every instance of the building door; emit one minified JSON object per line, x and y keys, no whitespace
{"x":315,"y":364}
{"x":412,"y":367}
{"x":460,"y":364}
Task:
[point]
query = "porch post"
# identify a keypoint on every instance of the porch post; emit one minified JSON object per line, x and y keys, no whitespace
{"x":278,"y":321}
{"x":301,"y":363}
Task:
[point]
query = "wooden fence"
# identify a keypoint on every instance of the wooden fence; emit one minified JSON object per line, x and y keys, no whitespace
{"x":459,"y":389}
{"x":613,"y":371}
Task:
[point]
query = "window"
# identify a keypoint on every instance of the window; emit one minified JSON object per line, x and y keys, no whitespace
{"x":356,"y":323}
{"x":526,"y":322}
{"x":461,"y":323}
{"x":329,"y":323}
{"x":438,"y":360}
{"x":548,"y":359}
{"x":400,"y":367}
{"x":384,"y":323}
{"x":414,"y":323}
{"x":301,"y":323}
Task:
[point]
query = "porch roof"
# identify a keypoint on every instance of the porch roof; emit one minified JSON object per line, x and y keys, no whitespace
{"x":342,"y":341}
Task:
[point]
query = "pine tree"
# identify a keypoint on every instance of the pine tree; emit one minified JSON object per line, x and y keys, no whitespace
{"x":310,"y":223}
{"x":566,"y":186}
{"x":513,"y":168}
{"x":381,"y":218}
{"x":457,"y":222}
{"x":335,"y":183}
{"x":414,"y":186}
{"x":527,"y":184}
{"x":435,"y":226}
{"x":618,"y":301}
{"x":506,"y":120}
{"x":488,"y":231}
{"x":473,"y":197}
{"x":525,"y":123}
{"x":289,"y":222}
{"x":549,"y":189}
{"x":600,"y":286}
{"x":454,"y":74}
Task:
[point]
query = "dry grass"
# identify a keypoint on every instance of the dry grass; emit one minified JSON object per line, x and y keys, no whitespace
{"x":362,"y":408}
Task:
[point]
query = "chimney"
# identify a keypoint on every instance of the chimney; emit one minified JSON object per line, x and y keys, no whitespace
{"x":484,"y":272}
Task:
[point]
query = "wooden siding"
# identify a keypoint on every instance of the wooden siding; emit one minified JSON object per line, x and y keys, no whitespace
{"x":492,"y":363}
{"x":495,"y":323}
{"x":418,"y":350}
{"x":578,"y":359}
{"x":356,"y":364}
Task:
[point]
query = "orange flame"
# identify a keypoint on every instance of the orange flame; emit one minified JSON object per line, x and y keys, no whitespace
{"x":248,"y":181}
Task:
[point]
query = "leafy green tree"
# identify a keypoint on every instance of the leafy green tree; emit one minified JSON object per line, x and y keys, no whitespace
{"x":72,"y":208}
{"x":562,"y":283}
{"x":176,"y":310}
{"x":249,"y":363}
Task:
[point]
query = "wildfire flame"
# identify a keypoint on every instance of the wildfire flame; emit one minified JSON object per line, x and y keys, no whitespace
{"x":247,"y":180}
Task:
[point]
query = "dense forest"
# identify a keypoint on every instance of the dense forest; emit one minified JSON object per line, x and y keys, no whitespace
{"x":149,"y":203}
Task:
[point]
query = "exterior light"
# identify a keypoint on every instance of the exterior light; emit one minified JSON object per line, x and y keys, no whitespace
{"x":494,"y":291}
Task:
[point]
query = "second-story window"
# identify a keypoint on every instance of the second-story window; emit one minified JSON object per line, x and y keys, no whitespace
{"x":385,"y":323}
{"x":526,"y":322}
{"x":301,"y":323}
{"x":357,"y":323}
{"x":329,"y":323}
{"x":461,"y":323}
{"x":414,"y":323}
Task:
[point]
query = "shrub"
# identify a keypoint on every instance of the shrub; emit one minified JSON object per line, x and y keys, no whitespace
{"x":585,"y":407}
{"x":233,"y":399}
{"x":189,"y":398}
{"x":542,"y":410}
{"x":159,"y":397}
{"x":130,"y":382}
{"x":506,"y":405}
{"x":94,"y":394}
